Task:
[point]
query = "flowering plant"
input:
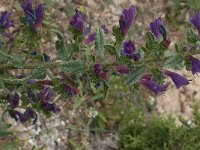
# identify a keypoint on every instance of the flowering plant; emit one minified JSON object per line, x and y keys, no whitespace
{"x":34,"y":86}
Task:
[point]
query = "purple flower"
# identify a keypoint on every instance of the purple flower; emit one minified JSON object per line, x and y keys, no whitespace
{"x":129,"y":48}
{"x":13,"y":100}
{"x":32,"y":81}
{"x":77,"y":21}
{"x":155,"y":27}
{"x":46,"y":95}
{"x":30,"y":114}
{"x":195,"y":65}
{"x":46,"y":58}
{"x":153,"y":86}
{"x":5,"y":21}
{"x":126,"y":19}
{"x":18,"y":116}
{"x":33,"y":17}
{"x":105,"y":76}
{"x":122,"y":69}
{"x":105,"y":29}
{"x":136,"y":56}
{"x":51,"y":107}
{"x":98,"y":69}
{"x":178,"y":80}
{"x":89,"y":39}
{"x":92,"y":36}
{"x":196,"y":21}
{"x":71,"y":90}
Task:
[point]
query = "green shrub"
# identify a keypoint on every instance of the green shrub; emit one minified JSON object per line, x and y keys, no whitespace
{"x":151,"y":132}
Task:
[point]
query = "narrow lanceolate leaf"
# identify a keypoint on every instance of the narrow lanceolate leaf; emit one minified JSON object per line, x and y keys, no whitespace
{"x":100,"y":41}
{"x":60,"y":46}
{"x":72,"y":66}
{"x":175,"y":62}
{"x":38,"y":73}
{"x":110,"y":49}
{"x":150,"y":40}
{"x":135,"y":76}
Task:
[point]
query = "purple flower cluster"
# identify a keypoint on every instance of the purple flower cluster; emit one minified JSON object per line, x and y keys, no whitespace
{"x":29,"y":114}
{"x":129,"y":50}
{"x":33,"y":17}
{"x":98,"y":71}
{"x":126,"y":19}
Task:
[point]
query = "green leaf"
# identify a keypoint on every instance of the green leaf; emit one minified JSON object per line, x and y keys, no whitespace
{"x":3,"y":129}
{"x":175,"y":62}
{"x":100,"y":41}
{"x":135,"y":76}
{"x":111,"y":49}
{"x":38,"y":73}
{"x":18,"y":60}
{"x":150,"y":40}
{"x":72,"y":66}
{"x":60,"y":46}
{"x":192,"y":36}
{"x":118,"y":35}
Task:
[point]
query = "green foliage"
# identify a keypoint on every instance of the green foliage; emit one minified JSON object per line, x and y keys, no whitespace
{"x":118,"y":35}
{"x":135,"y":75}
{"x":60,"y":46}
{"x":140,"y":131}
{"x":72,"y":66}
{"x":175,"y":62}
{"x":99,"y":42}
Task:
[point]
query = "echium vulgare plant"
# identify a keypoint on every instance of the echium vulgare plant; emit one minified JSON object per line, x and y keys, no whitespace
{"x":30,"y":86}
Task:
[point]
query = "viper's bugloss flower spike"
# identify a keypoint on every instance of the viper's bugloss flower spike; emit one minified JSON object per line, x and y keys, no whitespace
{"x":129,"y":48}
{"x":178,"y":80}
{"x":196,"y":22}
{"x":122,"y":69}
{"x":195,"y":65}
{"x":126,"y":19}
{"x":33,"y":17}
{"x":153,"y":86}
{"x":71,"y":91}
{"x":5,"y":21}
{"x":77,"y":21}
{"x":98,"y":69}
{"x":154,"y":26}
